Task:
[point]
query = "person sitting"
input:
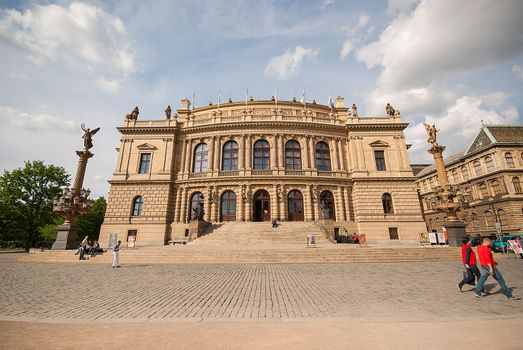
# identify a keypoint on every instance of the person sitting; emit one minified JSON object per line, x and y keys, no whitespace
{"x":274,"y":224}
{"x":95,"y":248}
{"x":355,"y":238}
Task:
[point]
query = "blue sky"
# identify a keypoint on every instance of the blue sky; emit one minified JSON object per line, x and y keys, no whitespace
{"x":64,"y":63}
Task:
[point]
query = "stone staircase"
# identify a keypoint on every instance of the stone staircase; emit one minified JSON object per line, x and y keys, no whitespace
{"x":261,"y":254}
{"x":261,"y":233}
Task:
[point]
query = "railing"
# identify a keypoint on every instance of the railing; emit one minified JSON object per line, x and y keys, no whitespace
{"x":262,"y":172}
{"x":325,"y":173}
{"x":195,"y":175}
{"x":229,"y":173}
{"x":294,"y":172}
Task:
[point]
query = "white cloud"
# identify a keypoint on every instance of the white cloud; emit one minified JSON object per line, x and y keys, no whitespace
{"x":353,"y":40}
{"x":78,"y":34}
{"x":35,"y":122}
{"x":442,"y":38}
{"x":395,"y":6}
{"x":457,"y":126}
{"x":288,"y":64}
{"x":109,"y":85}
{"x":327,"y":3}
{"x":495,"y":99}
{"x":346,"y":49}
{"x":518,"y":71}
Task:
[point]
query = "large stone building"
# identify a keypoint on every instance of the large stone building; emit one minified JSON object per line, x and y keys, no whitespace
{"x":489,"y":175}
{"x":263,"y":160}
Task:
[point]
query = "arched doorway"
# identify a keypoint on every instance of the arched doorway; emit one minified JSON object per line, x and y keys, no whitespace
{"x":295,"y":206}
{"x":196,"y":206}
{"x":327,"y":210}
{"x":228,"y":206}
{"x":262,"y":206}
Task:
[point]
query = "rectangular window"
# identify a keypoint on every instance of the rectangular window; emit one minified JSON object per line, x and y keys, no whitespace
{"x":145,"y":161}
{"x":393,"y":233}
{"x":379,"y":156}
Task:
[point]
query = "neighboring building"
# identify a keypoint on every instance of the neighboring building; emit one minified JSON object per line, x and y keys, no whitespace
{"x":489,"y":174}
{"x":259,"y":161}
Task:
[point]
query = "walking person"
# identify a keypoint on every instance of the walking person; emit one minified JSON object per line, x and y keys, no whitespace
{"x":116,"y":254}
{"x":489,"y":268}
{"x":468,"y":257}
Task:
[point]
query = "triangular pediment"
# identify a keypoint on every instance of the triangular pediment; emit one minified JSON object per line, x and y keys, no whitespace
{"x":379,"y":143}
{"x":481,"y":141}
{"x":146,"y":147}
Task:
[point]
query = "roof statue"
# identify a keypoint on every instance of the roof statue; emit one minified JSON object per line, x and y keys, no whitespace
{"x":354,"y":110}
{"x":432,"y":131}
{"x":168,"y":112}
{"x":134,"y":114}
{"x":390,"y":111}
{"x":88,"y":134}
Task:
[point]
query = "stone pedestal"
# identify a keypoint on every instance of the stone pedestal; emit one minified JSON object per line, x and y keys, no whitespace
{"x":66,"y":237}
{"x":456,"y":232}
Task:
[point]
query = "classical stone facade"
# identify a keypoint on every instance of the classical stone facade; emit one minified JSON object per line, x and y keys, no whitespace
{"x":489,"y":176}
{"x":259,"y":161}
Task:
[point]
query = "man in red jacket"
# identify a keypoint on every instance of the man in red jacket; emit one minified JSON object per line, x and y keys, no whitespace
{"x":469,"y":261}
{"x":488,"y":267}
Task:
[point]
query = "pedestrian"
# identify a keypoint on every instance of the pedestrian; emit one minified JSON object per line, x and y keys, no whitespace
{"x":489,"y":268}
{"x":468,"y":257}
{"x":116,"y":254}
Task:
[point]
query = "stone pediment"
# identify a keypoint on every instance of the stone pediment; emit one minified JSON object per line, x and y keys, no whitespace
{"x":379,"y":143}
{"x":146,"y":147}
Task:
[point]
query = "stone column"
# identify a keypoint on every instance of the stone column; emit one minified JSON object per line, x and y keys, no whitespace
{"x":273,"y":161}
{"x":240,"y":205}
{"x":335,"y":166}
{"x":241,"y":153}
{"x":184,"y":205}
{"x":311,"y":153}
{"x":304,"y":152}
{"x":339,"y":204}
{"x":281,"y":152}
{"x":248,"y":203}
{"x":121,"y":155}
{"x":283,"y":203}
{"x":207,"y":205}
{"x":128,"y":162}
{"x":274,"y":202}
{"x":353,"y":161}
{"x":248,"y":153}
{"x":188,"y":156}
{"x":347,"y":204}
{"x":217,"y":151}
{"x":178,"y":206}
{"x":343,"y":159}
{"x":210,"y":159}
{"x":361,"y":153}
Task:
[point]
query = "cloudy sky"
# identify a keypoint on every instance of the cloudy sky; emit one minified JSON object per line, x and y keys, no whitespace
{"x":455,"y":63}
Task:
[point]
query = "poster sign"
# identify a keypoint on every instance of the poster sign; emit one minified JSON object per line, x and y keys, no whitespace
{"x":432,"y":238}
{"x":441,"y":238}
{"x":130,"y":241}
{"x":311,"y":240}
{"x":363,"y":240}
{"x":113,"y":238}
{"x":423,"y":237}
{"x":515,"y":246}
{"x":498,"y":228}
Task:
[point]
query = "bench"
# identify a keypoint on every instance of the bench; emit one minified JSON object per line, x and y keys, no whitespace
{"x":179,"y":240}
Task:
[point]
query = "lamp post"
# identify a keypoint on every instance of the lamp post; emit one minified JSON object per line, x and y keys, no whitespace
{"x":74,"y":201}
{"x":445,"y":194}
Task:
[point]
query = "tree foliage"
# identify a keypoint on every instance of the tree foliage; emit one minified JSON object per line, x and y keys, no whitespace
{"x":89,"y":224}
{"x":26,"y":195}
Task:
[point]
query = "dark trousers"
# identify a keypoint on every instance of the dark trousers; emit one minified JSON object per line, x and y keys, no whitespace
{"x":472,"y":271}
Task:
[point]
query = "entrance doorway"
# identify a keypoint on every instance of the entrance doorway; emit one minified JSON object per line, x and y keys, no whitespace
{"x":327,"y":206}
{"x":295,"y":205}
{"x":228,"y":212}
{"x":262,"y":206}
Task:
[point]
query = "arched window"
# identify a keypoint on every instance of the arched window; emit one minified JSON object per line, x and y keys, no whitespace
{"x":386,"y":201}
{"x":502,"y":217}
{"x":455,"y":176}
{"x":200,"y":158}
{"x":138,"y":206}
{"x":489,"y":163}
{"x":509,"y":160}
{"x":292,"y":155}
{"x":196,"y":205}
{"x":323,"y":157}
{"x":477,"y":168}
{"x":489,"y":219}
{"x":230,"y":156}
{"x":516,"y":184}
{"x":468,"y":194}
{"x":495,"y":187}
{"x":262,"y":155}
{"x":483,"y":190}
{"x":465,"y":173}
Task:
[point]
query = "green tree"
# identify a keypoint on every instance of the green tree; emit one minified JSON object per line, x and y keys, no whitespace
{"x":89,"y":224}
{"x":27,"y":194}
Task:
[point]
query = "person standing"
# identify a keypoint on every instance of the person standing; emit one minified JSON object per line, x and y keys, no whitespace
{"x":468,"y":257}
{"x":488,"y":267}
{"x":116,"y":254}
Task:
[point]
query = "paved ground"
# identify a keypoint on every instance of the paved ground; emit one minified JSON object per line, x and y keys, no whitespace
{"x":261,"y":304}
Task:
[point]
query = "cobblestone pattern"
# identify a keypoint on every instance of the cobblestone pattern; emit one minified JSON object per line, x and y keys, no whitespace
{"x":370,"y":292}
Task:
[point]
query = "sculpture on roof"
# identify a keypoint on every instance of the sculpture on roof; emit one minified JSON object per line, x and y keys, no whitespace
{"x":134,"y":114}
{"x":432,"y":131}
{"x":354,"y":110}
{"x":168,"y":112}
{"x":390,"y":111}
